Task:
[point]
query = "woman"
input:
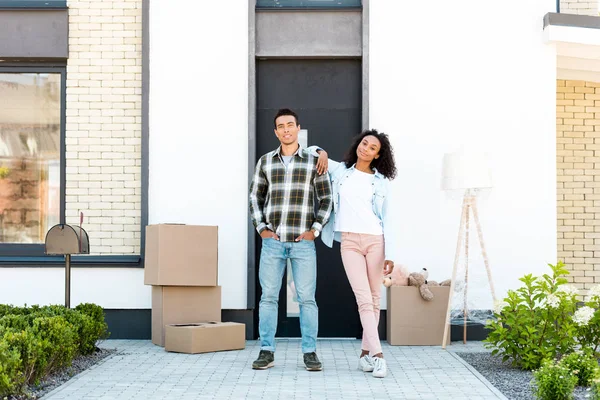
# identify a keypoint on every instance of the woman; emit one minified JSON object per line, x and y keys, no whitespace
{"x":360,"y":221}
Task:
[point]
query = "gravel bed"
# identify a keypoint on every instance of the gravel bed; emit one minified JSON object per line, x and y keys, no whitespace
{"x":80,"y":364}
{"x":514,"y":383}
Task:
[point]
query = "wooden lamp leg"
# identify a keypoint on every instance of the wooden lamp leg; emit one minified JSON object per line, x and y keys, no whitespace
{"x":456,"y":256}
{"x":483,"y":252}
{"x":468,"y":217}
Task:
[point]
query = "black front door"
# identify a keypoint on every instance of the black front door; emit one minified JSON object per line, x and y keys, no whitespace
{"x":326,"y":95}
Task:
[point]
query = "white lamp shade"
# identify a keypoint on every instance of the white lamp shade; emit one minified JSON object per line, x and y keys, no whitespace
{"x":466,"y":170}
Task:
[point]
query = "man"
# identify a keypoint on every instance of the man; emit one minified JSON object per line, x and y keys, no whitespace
{"x":282,"y":209}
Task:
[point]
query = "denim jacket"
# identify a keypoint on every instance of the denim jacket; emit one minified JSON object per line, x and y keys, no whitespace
{"x":338,"y":173}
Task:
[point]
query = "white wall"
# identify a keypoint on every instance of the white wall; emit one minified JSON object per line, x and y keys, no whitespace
{"x":199,"y":126}
{"x":445,"y":73}
{"x":578,"y":52}
{"x":116,"y":288}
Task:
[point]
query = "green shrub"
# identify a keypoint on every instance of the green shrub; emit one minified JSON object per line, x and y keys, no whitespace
{"x":12,"y":310}
{"x":58,"y":342}
{"x":99,"y":330}
{"x":5,"y":309}
{"x":553,"y":381}
{"x":17,"y":322}
{"x":36,"y":341}
{"x":87,"y":320}
{"x":582,"y":364}
{"x":535,"y":322}
{"x":29,"y":348}
{"x":587,"y":321}
{"x":11,"y":378}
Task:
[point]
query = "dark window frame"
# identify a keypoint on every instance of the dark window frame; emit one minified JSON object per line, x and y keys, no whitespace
{"x":33,"y":4}
{"x":11,"y":250}
{"x":274,"y":7}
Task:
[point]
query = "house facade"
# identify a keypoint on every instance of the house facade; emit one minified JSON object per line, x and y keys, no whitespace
{"x":138,"y":112}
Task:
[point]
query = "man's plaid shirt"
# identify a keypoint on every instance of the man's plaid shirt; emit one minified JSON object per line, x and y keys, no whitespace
{"x":282,"y":198}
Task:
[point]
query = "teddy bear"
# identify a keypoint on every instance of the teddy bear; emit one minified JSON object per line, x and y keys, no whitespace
{"x":445,"y":282}
{"x":398,"y":277}
{"x":419,"y":279}
{"x":401,"y":277}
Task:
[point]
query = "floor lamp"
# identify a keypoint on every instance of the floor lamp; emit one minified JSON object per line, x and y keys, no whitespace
{"x":467,"y":174}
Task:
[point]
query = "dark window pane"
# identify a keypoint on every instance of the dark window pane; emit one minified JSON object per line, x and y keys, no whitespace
{"x":30,"y":112}
{"x":308,"y":3}
{"x":33,"y":3}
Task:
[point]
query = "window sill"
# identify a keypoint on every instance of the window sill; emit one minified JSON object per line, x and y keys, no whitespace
{"x":77,"y":261}
{"x":324,"y":8}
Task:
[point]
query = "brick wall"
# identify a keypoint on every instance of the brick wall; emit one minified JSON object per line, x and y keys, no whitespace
{"x":578,"y":179}
{"x":580,"y":7}
{"x":103,"y":137}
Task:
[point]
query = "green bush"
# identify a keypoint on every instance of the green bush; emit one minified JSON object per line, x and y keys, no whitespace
{"x":87,"y":320}
{"x":86,"y":334}
{"x":17,"y":322}
{"x":12,"y":310}
{"x":5,"y":309}
{"x":587,"y":321}
{"x":36,"y":341}
{"x":582,"y":364}
{"x":29,"y":348}
{"x":535,"y":322}
{"x":99,"y":330}
{"x":44,"y":347}
{"x":58,"y":342}
{"x":82,"y":324}
{"x":553,"y":381}
{"x":11,"y":378}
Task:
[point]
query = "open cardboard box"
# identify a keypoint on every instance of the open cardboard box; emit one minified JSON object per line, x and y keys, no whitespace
{"x":412,"y":321}
{"x":181,"y":304}
{"x":203,"y":337}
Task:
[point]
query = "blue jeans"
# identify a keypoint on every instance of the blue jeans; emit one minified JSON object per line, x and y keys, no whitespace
{"x":273,"y":262}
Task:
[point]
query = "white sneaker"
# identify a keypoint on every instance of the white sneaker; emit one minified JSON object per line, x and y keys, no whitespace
{"x":365,"y":363}
{"x":379,"y":367}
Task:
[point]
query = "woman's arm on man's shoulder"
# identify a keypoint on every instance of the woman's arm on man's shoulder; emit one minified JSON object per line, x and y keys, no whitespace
{"x":324,"y":164}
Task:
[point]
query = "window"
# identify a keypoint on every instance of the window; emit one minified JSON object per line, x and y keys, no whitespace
{"x":33,"y":3}
{"x":275,"y":4}
{"x":31,"y":156}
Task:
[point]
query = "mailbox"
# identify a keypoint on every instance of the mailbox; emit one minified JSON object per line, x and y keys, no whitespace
{"x":63,"y":239}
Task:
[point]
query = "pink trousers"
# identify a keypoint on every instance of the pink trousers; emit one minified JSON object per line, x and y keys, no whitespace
{"x":363,"y":257}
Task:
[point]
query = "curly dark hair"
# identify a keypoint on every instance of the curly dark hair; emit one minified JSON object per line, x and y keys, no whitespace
{"x":385,"y":164}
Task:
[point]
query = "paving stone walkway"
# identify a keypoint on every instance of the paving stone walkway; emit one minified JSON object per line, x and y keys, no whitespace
{"x":141,"y":370}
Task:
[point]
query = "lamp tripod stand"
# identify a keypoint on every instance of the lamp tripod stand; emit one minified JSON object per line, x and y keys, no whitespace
{"x":469,"y":205}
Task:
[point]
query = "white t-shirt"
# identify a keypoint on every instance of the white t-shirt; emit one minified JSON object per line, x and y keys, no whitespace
{"x":355,"y":212}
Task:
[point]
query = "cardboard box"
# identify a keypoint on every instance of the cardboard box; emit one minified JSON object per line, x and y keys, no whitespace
{"x":412,"y":321}
{"x":180,"y":305}
{"x":181,"y":255}
{"x":205,"y":337}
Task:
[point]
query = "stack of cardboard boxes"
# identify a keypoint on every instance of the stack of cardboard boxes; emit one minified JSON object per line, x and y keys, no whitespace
{"x":181,"y":264}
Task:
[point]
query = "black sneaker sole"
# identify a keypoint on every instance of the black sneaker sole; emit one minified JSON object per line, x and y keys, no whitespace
{"x":269,"y":365}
